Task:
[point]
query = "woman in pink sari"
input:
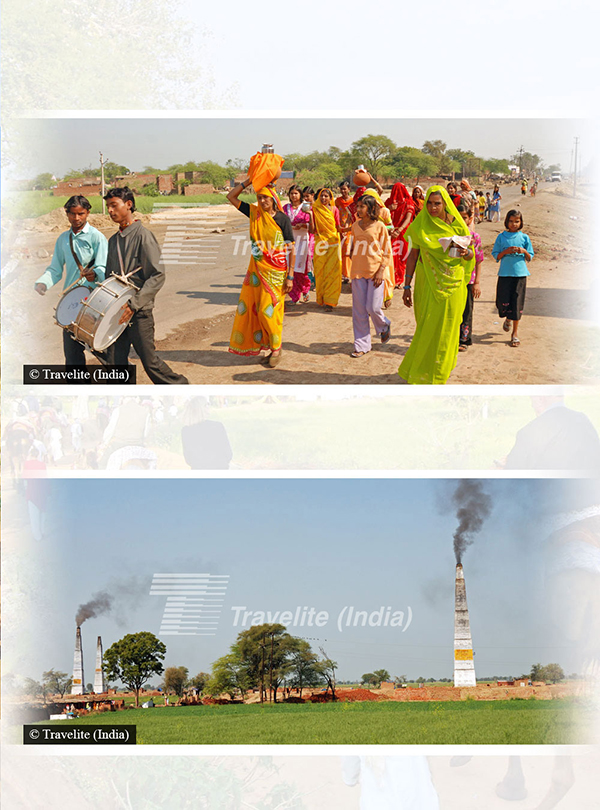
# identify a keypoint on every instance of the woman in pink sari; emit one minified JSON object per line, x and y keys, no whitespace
{"x":299,"y":220}
{"x":402,"y":208}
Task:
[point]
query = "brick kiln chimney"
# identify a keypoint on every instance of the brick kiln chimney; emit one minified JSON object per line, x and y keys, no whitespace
{"x":99,"y":683}
{"x":464,"y":668}
{"x":78,"y":687}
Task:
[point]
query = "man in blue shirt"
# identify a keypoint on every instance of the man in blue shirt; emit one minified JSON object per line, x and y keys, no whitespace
{"x":80,"y":253}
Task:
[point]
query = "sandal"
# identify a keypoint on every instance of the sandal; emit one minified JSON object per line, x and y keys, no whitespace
{"x":386,"y":334}
{"x":387,"y":304}
{"x":506,"y":325}
{"x":514,"y":342}
{"x":274,"y":359}
{"x":328,"y":308}
{"x":357,"y":354}
{"x":305,"y":298}
{"x":462,"y":348}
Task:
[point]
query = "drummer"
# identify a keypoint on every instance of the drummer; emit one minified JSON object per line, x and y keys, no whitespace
{"x":80,"y":253}
{"x":134,"y":250}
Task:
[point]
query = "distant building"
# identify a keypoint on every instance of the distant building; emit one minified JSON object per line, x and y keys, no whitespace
{"x":87,"y":186}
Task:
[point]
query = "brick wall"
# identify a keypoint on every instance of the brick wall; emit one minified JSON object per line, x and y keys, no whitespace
{"x":70,"y":187}
{"x":198,"y":188}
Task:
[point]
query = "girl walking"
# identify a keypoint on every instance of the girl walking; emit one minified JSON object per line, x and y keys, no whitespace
{"x":299,"y":219}
{"x":371,"y":253}
{"x":513,"y":250}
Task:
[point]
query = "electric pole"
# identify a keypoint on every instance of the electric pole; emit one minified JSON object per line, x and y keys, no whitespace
{"x":102,"y":187}
{"x":575,"y":172}
{"x":520,"y":153}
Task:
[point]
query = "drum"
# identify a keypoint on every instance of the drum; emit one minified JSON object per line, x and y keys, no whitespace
{"x":97,"y":324}
{"x":69,"y":305}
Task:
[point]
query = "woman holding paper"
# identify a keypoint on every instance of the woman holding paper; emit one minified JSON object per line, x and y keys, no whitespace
{"x":441,"y":261}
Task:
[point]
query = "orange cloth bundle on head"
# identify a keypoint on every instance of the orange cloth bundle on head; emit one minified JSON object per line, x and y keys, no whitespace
{"x":264,"y":168}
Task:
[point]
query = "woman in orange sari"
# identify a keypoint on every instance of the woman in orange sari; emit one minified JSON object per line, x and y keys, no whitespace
{"x":343,"y":204}
{"x":402,"y":206}
{"x":258,"y":322}
{"x":327,"y":260}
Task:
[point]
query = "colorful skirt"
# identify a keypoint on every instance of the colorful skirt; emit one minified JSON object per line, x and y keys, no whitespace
{"x":327,"y":262}
{"x":258,"y":322}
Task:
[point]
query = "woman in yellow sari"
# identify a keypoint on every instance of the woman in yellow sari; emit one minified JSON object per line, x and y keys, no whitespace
{"x":440,"y":289}
{"x":327,"y":259}
{"x":258,"y":322}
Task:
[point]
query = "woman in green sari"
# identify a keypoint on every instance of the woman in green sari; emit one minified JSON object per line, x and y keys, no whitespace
{"x":440,"y":289}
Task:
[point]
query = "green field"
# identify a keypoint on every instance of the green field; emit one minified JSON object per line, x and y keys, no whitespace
{"x":524,"y":722}
{"x":29,"y":204}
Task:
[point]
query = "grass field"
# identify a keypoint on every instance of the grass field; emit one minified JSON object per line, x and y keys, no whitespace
{"x":28,"y":204}
{"x":524,"y":722}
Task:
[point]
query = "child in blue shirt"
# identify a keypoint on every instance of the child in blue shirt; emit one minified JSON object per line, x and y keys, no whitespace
{"x":513,"y":250}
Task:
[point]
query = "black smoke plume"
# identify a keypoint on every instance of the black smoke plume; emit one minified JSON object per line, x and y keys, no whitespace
{"x":100,"y":603}
{"x":473,"y":506}
{"x":123,"y":595}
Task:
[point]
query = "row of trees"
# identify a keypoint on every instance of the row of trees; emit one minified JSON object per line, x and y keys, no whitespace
{"x":382,"y":157}
{"x":264,"y":657}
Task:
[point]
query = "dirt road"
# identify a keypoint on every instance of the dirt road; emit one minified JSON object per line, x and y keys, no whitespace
{"x":195,"y":309}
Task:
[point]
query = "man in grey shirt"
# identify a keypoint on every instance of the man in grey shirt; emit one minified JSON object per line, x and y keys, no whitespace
{"x":134,"y":250}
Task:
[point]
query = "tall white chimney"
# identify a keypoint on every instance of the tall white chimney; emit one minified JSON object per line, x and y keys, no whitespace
{"x":464,"y":668}
{"x":99,"y":682}
{"x":78,"y":687}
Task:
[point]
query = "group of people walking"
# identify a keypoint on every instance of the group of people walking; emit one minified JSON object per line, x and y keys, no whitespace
{"x":321,"y":242}
{"x":318,"y":241}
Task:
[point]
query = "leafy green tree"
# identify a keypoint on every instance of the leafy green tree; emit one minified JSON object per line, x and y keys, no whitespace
{"x":420,"y":679}
{"x":553,"y":673}
{"x":374,"y":151}
{"x":175,"y":680}
{"x":200,"y":680}
{"x":265,"y":650}
{"x":536,"y":673}
{"x":56,"y":683}
{"x":460,"y":155}
{"x":381,"y":675}
{"x":496,"y":166}
{"x":43,"y":181}
{"x":303,"y":666}
{"x":149,"y":190}
{"x":368,"y":678}
{"x":400,"y":679}
{"x":411,"y":162}
{"x":134,"y":659}
{"x":113,"y":170}
{"x":76,"y":174}
{"x":229,"y":676}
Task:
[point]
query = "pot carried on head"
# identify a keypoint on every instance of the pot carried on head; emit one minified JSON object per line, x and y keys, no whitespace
{"x":361,"y":176}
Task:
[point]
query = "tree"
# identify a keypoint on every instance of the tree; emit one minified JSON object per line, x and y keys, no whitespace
{"x":113,"y":170}
{"x":200,"y":680}
{"x":237,"y":165}
{"x":134,"y":660}
{"x":553,"y":673}
{"x":56,"y":683}
{"x":400,"y":679}
{"x":229,"y":675}
{"x":373,"y":151}
{"x":496,"y":166}
{"x":381,"y":675}
{"x":437,"y":150}
{"x":420,"y":679}
{"x":411,"y":162}
{"x":368,"y":678}
{"x":32,"y":688}
{"x":303,"y":666}
{"x":43,"y":181}
{"x":265,"y":650}
{"x":175,"y":680}
{"x":327,"y":668}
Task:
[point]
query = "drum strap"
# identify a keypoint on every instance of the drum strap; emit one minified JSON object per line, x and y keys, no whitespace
{"x":80,"y":267}
{"x":124,"y":275}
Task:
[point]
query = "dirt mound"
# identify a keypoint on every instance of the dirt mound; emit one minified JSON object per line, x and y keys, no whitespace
{"x":358,"y":694}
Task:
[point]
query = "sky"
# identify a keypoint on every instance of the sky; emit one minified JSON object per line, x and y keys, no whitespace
{"x":327,"y":544}
{"x":57,"y":145}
